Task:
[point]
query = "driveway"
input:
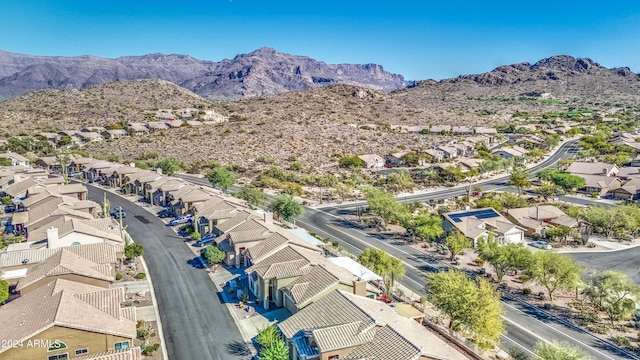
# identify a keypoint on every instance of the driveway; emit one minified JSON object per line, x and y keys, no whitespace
{"x":196,"y":324}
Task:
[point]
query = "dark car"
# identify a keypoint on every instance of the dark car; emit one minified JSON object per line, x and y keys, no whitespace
{"x":117,"y":212}
{"x":164,"y":213}
{"x":10,"y":209}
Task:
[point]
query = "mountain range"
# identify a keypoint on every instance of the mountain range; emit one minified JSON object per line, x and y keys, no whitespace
{"x":263,"y":72}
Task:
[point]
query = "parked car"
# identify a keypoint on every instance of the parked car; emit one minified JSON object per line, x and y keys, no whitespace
{"x":540,"y":245}
{"x":180,"y":220}
{"x":164,"y":213}
{"x":10,"y":209}
{"x":117,"y":212}
{"x":204,"y":242}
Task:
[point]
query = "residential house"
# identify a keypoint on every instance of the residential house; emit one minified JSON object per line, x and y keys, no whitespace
{"x":271,"y":275}
{"x":172,"y":124}
{"x":77,"y":190}
{"x":537,"y":219}
{"x":599,"y":184}
{"x":629,"y":172}
{"x":242,"y":237}
{"x":120,"y":175}
{"x":185,"y":201}
{"x":593,"y":168}
{"x":145,"y":184}
{"x":157,"y":125}
{"x":95,"y":129}
{"x":479,"y":130}
{"x":530,"y":141}
{"x":68,"y":320}
{"x":468,"y":164}
{"x":395,"y":159}
{"x":342,"y":325}
{"x":137,"y":129}
{"x":72,"y":231}
{"x":52,"y":138}
{"x":635,"y":162}
{"x":436,"y":155}
{"x":68,"y":266}
{"x":114,"y":133}
{"x":90,"y":136}
{"x":16,"y":159}
{"x":372,"y":161}
{"x":510,"y":152}
{"x":413,"y":129}
{"x":440,"y":129}
{"x":462,"y":130}
{"x":18,"y":189}
{"x":14,"y":265}
{"x":449,"y":152}
{"x":164,"y":193}
{"x":212,"y":211}
{"x":71,"y":134}
{"x":479,"y":223}
{"x":51,"y":163}
{"x":628,"y":191}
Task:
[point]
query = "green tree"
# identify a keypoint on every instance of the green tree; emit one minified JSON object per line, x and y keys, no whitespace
{"x":490,"y":202}
{"x":520,"y":179}
{"x":553,"y":271}
{"x":133,"y":250}
{"x":384,"y":205}
{"x":399,"y":181}
{"x":559,"y":351}
{"x":252,"y":195}
{"x":503,"y":257}
{"x":5,"y":161}
{"x":473,"y":307}
{"x":221,"y":178}
{"x":456,"y":242}
{"x":351,"y":162}
{"x":614,"y":293}
{"x":568,"y":181}
{"x":381,"y":263}
{"x":286,"y":207}
{"x":548,"y":190}
{"x":559,"y":232}
{"x":169,"y":166}
{"x":272,"y":345}
{"x":213,"y":254}
{"x":4,"y":291}
{"x":424,"y":225}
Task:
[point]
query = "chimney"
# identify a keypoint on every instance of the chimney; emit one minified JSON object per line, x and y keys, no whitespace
{"x":52,"y":238}
{"x":360,"y":287}
{"x":268,"y":218}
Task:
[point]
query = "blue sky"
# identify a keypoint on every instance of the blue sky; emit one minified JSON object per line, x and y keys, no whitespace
{"x":417,"y":39}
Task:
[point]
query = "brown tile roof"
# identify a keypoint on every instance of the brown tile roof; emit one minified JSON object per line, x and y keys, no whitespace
{"x":310,"y":285}
{"x":333,"y":309}
{"x":59,"y":303}
{"x":386,"y":344}
{"x":238,"y":218}
{"x":344,"y":336}
{"x":18,"y":188}
{"x":99,"y":253}
{"x":65,"y":262}
{"x":287,"y":262}
{"x":591,"y":168}
{"x":60,"y":189}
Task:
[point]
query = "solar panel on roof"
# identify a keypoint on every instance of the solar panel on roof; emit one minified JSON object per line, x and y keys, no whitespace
{"x":478,"y":214}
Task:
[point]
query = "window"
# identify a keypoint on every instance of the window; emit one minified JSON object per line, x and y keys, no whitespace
{"x":75,"y":243}
{"x":121,"y":345}
{"x":334,"y":357}
{"x":82,"y":351}
{"x":58,"y":357}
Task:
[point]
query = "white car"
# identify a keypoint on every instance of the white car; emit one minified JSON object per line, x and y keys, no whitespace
{"x":541,"y":245}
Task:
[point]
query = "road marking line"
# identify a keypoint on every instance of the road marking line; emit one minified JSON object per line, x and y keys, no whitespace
{"x":406,"y":253}
{"x":563,"y":333}
{"x":522,"y":347}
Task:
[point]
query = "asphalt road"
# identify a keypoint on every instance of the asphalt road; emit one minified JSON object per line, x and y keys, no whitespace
{"x":195,"y":322}
{"x":526,"y":325}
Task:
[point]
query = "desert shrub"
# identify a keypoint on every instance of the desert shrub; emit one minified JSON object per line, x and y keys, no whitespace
{"x":118,"y":276}
{"x":148,"y":350}
{"x":479,"y":262}
{"x":623,"y":341}
{"x":598,"y":328}
{"x":141,"y":276}
{"x":526,"y":291}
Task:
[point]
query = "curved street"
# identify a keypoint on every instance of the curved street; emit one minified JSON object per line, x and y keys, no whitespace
{"x":197,"y":325}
